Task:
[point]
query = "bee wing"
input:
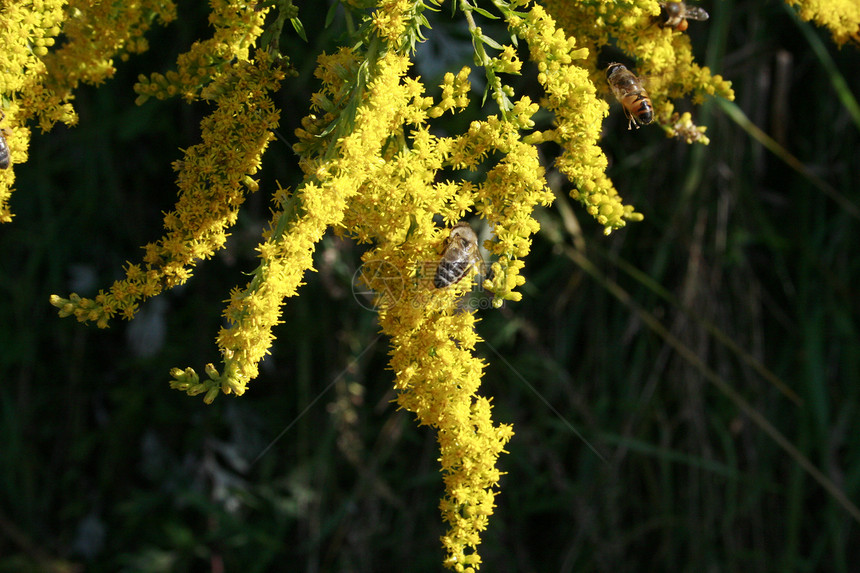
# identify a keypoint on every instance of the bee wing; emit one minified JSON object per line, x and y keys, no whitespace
{"x":481,"y":267}
{"x":695,"y":13}
{"x":452,"y":269}
{"x":477,"y":259}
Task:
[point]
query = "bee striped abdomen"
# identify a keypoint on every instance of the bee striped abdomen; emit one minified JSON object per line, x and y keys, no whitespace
{"x":628,"y":90}
{"x":5,"y":154}
{"x":459,"y":255}
{"x":644,"y":113}
{"x":450,"y":272}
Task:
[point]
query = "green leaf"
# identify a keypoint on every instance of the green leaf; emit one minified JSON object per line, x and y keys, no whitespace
{"x":329,"y":17}
{"x":484,"y":13}
{"x":299,"y":28}
{"x":491,"y":42}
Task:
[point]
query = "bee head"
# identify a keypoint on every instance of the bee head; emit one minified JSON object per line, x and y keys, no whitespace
{"x":463,"y":230}
{"x":670,"y":10}
{"x":611,"y":68}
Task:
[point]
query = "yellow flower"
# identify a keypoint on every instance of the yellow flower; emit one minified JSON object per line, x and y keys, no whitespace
{"x":663,"y":55}
{"x":211,"y":181}
{"x":579,"y":115}
{"x":842,"y":17}
{"x":237,"y":26}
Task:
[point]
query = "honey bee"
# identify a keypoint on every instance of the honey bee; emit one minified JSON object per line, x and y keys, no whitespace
{"x":628,"y":90}
{"x":5,"y":155}
{"x":460,"y":254}
{"x":676,"y":14}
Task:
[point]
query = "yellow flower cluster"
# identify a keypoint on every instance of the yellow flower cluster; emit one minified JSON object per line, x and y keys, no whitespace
{"x":438,"y":379}
{"x":213,"y":178}
{"x":237,"y":27}
{"x":36,"y":82}
{"x":96,"y":34}
{"x":389,"y":20}
{"x":682,"y":127}
{"x":662,"y":54}
{"x":579,"y":117}
{"x":432,"y":344}
{"x":16,"y":143}
{"x":26,"y":34}
{"x":508,"y":194}
{"x":455,"y":94}
{"x":841,"y":17}
{"x":392,"y":192}
{"x":301,"y":222}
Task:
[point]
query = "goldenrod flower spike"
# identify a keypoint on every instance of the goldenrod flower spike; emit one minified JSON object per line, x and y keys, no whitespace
{"x":287,"y":250}
{"x":233,"y":143}
{"x":579,"y":116}
{"x":662,"y":54}
{"x":432,"y":344}
{"x":27,"y":32}
{"x":37,"y":82}
{"x":16,"y":139}
{"x":682,"y":127}
{"x":437,"y":378}
{"x":237,"y":27}
{"x":841,"y":17}
{"x":213,"y":179}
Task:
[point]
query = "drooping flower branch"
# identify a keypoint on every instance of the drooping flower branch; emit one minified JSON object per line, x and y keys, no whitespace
{"x":37,"y":82}
{"x":374,"y":170}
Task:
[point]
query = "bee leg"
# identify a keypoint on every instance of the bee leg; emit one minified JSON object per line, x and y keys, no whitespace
{"x":631,"y":121}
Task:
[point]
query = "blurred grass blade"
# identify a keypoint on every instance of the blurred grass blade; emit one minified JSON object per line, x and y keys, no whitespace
{"x":724,"y":387}
{"x":573,"y":229}
{"x":712,"y":329}
{"x":740,"y":118}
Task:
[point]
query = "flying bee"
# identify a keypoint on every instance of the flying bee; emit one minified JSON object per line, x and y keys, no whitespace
{"x":459,"y":255}
{"x":676,"y":14}
{"x":628,"y":90}
{"x":5,"y":154}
